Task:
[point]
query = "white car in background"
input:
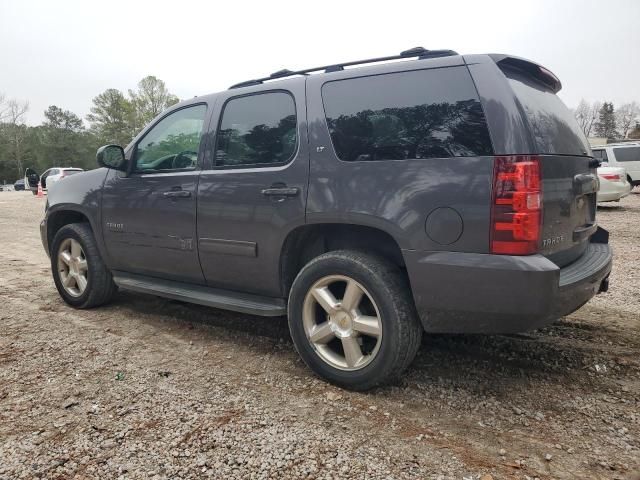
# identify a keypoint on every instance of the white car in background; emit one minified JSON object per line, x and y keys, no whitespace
{"x":48,"y":178}
{"x":626,"y":155}
{"x":613,"y":183}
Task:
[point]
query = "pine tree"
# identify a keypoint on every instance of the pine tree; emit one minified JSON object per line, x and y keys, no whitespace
{"x":606,"y":125}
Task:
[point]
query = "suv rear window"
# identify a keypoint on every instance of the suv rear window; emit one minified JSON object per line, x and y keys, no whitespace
{"x":554,"y":128}
{"x":627,"y":154}
{"x":407,"y":115}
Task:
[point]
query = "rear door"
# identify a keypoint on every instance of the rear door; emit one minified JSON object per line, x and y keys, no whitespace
{"x":253,"y":193}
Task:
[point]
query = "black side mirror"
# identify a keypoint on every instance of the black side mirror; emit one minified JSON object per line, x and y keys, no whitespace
{"x":111,"y":156}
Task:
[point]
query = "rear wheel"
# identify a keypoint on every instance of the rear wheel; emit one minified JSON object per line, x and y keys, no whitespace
{"x":80,"y":275}
{"x":352,"y":319}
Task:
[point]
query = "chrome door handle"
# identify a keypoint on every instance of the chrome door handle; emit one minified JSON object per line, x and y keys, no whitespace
{"x":177,"y":194}
{"x":281,"y":191}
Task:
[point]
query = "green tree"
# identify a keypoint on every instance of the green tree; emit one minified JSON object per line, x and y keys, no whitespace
{"x":13,"y":133}
{"x":61,"y":134}
{"x":111,"y":117}
{"x":606,"y":124}
{"x":151,"y":98}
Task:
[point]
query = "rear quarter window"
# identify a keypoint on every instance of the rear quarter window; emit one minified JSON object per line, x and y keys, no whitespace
{"x":627,"y":154}
{"x":601,"y":154}
{"x":407,"y":115}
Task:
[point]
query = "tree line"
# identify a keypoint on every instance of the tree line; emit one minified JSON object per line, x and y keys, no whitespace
{"x":62,"y":140}
{"x":603,"y":119}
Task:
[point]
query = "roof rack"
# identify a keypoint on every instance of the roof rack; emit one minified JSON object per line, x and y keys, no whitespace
{"x":421,"y":53}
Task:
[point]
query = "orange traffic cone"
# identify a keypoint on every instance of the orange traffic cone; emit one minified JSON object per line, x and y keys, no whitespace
{"x":40,"y":191}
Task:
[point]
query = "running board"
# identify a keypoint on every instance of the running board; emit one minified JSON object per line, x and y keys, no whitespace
{"x":210,"y":297}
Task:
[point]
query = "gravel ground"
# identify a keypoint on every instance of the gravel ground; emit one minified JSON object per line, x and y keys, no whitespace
{"x":150,"y":388}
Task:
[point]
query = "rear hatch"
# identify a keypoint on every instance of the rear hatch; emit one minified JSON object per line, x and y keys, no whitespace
{"x":569,"y":180}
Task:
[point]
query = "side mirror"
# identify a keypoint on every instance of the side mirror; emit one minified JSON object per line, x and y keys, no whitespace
{"x":111,"y":156}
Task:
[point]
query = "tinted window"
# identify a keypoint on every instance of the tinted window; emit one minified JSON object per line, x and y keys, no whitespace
{"x":419,"y":114}
{"x":554,"y":128}
{"x":257,"y":129}
{"x":601,"y":154}
{"x":173,"y":143}
{"x":71,"y":172}
{"x":627,"y":154}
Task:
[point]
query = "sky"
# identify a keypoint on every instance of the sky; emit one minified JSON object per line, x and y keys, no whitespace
{"x":65,"y":53}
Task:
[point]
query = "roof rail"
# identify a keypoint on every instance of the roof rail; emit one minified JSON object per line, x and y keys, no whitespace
{"x":421,"y":53}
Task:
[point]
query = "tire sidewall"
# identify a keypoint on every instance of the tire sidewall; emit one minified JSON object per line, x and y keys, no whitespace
{"x":371,"y":280}
{"x":63,"y":234}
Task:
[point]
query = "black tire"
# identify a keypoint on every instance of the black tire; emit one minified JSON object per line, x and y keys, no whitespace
{"x":389,"y":288}
{"x":100,"y":287}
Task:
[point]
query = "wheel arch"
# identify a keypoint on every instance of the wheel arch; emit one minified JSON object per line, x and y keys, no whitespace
{"x":308,"y":241}
{"x":61,"y":215}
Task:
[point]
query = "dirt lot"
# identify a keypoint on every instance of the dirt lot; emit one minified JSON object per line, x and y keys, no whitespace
{"x":149,"y":388}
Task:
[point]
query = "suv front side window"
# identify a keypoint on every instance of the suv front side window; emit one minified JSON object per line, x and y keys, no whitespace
{"x":173,"y":143}
{"x":257,"y":130}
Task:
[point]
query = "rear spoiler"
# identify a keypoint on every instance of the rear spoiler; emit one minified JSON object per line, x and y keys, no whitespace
{"x":531,"y":69}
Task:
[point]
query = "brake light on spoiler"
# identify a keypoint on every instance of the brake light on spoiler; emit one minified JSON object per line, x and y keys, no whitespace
{"x":516,"y":210}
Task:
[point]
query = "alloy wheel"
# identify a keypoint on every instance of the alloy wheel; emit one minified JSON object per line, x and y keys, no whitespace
{"x":72,"y":267}
{"x":342,"y":322}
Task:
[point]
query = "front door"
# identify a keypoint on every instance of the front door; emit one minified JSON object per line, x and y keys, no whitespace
{"x":31,"y":179}
{"x":149,"y":216}
{"x":254,"y":191}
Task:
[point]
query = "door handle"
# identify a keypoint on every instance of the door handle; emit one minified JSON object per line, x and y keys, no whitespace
{"x":281,"y":191}
{"x":177,"y":194}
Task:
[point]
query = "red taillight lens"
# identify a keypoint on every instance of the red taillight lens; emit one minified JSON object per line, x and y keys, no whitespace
{"x":614,"y":177}
{"x":516,"y":211}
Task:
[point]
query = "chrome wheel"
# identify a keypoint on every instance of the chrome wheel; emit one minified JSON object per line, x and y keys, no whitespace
{"x":342,"y":322}
{"x":72,"y":267}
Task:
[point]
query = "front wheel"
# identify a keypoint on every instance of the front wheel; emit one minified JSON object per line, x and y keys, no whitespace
{"x":352,"y":319}
{"x":80,"y":275}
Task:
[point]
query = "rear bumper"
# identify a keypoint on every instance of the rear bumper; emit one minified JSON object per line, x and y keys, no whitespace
{"x":478,"y":293}
{"x":613,"y":191}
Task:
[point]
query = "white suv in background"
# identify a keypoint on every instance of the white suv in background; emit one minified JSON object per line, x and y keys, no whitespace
{"x":48,"y":178}
{"x":626,"y":155}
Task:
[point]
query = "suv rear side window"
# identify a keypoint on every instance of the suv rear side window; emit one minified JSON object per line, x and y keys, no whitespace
{"x":257,"y":130}
{"x":407,"y":115}
{"x":627,"y":154}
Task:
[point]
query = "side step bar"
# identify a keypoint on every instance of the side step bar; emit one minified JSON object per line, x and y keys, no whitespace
{"x":210,"y":297}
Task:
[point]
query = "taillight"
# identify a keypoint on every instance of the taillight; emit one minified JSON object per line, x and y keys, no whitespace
{"x":516,"y":210}
{"x":614,"y":177}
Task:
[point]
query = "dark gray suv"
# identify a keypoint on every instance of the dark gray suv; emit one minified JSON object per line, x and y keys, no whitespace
{"x":443,"y":193}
